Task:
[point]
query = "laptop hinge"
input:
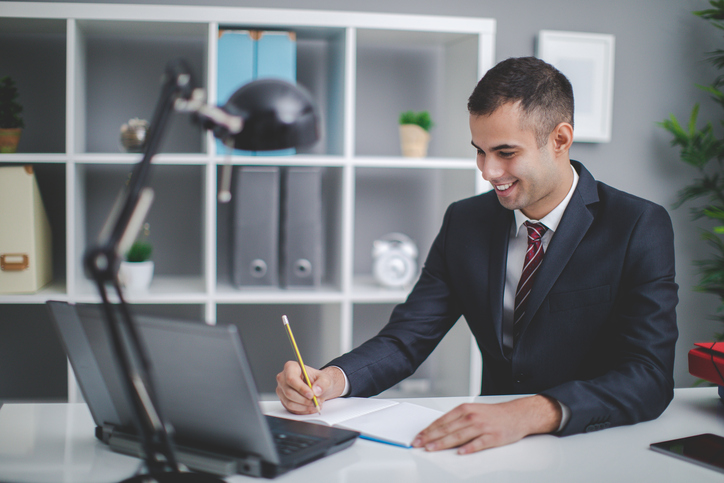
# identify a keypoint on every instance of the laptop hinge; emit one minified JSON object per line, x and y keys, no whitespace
{"x":105,"y":432}
{"x":194,"y":459}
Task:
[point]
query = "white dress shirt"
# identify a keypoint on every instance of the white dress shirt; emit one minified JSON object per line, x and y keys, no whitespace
{"x":517,"y":246}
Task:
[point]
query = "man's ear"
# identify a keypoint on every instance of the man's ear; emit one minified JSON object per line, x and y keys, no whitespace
{"x":562,"y":138}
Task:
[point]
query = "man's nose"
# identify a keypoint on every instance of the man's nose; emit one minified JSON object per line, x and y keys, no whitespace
{"x":491,"y":168}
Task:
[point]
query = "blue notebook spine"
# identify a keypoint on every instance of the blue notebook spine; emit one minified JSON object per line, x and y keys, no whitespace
{"x":236,"y":67}
{"x":276,"y":57}
{"x":246,"y":55}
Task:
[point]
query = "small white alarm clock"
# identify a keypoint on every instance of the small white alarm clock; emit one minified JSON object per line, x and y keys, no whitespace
{"x":394,"y":260}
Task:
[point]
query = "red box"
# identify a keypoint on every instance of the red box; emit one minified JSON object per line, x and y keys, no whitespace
{"x":707,"y":361}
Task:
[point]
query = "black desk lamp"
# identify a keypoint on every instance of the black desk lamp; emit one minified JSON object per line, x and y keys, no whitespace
{"x":267,"y":114}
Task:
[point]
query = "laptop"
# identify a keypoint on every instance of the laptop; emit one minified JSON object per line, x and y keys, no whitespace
{"x":205,"y":389}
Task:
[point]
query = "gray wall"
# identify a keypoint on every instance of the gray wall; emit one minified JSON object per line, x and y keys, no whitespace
{"x":660,"y":49}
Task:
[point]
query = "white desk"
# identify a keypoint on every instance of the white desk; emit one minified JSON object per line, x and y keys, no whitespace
{"x":55,"y":443}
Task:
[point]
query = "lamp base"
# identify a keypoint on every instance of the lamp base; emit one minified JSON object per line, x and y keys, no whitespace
{"x":174,"y":477}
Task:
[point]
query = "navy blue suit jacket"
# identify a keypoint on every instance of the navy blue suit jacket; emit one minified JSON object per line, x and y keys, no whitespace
{"x":600,"y":328}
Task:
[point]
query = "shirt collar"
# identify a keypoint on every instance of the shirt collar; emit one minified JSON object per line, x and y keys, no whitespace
{"x":552,"y":219}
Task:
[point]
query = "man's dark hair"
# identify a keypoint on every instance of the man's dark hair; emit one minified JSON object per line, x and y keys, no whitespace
{"x":545,"y":95}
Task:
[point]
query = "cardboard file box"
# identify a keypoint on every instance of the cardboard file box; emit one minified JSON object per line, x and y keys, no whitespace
{"x":707,"y":361}
{"x":25,"y":238}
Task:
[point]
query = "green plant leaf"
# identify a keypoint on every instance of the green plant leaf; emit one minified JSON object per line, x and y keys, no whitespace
{"x":140,"y":251}
{"x":692,"y":120}
{"x":421,"y":119}
{"x":10,"y":108}
{"x":698,"y":146}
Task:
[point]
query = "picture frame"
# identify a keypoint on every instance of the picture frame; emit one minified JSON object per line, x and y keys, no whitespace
{"x":587,"y":60}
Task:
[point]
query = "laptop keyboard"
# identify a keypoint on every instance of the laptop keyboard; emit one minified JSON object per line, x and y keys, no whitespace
{"x":287,"y":443}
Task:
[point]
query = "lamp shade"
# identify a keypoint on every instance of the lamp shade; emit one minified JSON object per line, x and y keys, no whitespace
{"x":276,"y":115}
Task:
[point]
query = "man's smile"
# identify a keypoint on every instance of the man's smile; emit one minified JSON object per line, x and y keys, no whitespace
{"x":503,"y":188}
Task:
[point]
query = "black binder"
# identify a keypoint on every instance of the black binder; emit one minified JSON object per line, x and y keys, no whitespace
{"x":255,"y":230}
{"x":302,"y":234}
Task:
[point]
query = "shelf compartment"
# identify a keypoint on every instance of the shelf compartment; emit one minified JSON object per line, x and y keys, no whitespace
{"x":51,"y":178}
{"x":332,"y":212}
{"x":411,"y":201}
{"x":414,"y":70}
{"x":177,"y":239}
{"x":444,"y":373}
{"x":122,"y":64}
{"x":41,"y":83}
{"x":32,"y":355}
{"x":316,"y":330}
{"x":320,"y":70}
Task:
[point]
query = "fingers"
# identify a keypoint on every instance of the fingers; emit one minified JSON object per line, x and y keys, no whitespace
{"x":455,"y":428}
{"x":294,"y":392}
{"x":471,"y":428}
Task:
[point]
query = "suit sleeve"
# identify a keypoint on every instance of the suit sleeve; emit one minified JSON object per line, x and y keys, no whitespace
{"x":414,"y":330}
{"x":638,"y":384}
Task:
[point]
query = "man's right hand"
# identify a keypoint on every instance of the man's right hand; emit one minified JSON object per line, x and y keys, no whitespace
{"x":295,"y":394}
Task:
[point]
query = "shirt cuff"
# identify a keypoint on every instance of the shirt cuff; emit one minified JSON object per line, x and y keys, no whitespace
{"x":346,"y":382}
{"x":565,"y":415}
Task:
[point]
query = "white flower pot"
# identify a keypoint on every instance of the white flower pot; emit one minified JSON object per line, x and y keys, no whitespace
{"x":136,"y":276}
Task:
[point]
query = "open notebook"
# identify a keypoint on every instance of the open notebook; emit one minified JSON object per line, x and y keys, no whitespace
{"x":382,"y":420}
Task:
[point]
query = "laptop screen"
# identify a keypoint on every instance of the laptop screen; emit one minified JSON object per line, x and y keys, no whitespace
{"x":204,"y":386}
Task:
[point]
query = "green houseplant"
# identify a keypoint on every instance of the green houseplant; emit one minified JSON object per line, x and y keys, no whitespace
{"x":11,"y":122}
{"x":140,"y":251}
{"x":415,"y":133}
{"x":703,"y":149}
{"x":421,"y":119}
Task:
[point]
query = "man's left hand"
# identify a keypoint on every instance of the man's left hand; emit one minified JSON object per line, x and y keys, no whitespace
{"x":476,"y":426}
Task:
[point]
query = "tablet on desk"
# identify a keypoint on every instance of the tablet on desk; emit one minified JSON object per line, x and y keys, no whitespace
{"x":703,"y":449}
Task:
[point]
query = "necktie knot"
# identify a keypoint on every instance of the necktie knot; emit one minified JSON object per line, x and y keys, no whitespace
{"x":535,"y":231}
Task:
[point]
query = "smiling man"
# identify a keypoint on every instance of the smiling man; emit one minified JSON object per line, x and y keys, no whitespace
{"x":566,"y":283}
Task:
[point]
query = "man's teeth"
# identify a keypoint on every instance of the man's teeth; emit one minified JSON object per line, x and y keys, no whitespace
{"x":503,"y":187}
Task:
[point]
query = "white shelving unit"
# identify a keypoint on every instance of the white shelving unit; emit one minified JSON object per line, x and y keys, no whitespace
{"x":87,"y":68}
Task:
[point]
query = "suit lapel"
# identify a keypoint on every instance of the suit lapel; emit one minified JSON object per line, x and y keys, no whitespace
{"x":573,"y":227}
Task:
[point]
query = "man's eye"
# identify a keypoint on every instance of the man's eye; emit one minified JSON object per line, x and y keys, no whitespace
{"x":506,"y":154}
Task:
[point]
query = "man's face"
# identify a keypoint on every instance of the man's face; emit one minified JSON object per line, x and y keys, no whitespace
{"x":525,"y":177}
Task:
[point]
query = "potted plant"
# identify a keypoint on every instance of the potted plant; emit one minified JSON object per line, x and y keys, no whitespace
{"x":11,"y":123}
{"x":699,"y":147}
{"x":136,"y":271}
{"x":415,"y":133}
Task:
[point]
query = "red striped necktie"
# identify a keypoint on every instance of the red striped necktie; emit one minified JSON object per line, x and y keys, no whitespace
{"x":533,"y":257}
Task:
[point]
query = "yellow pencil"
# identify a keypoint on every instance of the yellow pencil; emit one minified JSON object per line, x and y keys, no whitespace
{"x":301,"y":362}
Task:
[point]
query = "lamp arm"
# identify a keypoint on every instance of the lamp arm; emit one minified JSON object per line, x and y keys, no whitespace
{"x":223,"y":124}
{"x":102,"y":262}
